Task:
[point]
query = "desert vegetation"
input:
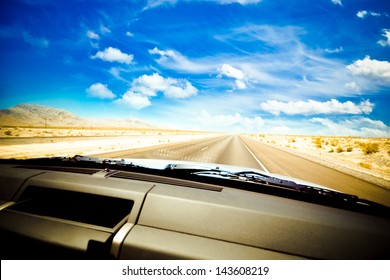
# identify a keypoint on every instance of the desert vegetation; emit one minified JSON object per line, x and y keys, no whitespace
{"x":61,"y":131}
{"x":28,"y":142}
{"x":369,"y":156}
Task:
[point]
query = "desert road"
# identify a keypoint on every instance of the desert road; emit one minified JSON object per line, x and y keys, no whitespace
{"x":245,"y":152}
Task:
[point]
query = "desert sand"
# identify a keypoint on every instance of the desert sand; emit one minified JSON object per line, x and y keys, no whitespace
{"x":23,"y":143}
{"x":366,"y":158}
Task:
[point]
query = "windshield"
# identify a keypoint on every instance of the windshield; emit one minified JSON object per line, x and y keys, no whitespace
{"x":299,"y":88}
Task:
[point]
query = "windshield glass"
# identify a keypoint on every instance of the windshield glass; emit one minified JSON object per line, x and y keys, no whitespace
{"x":296,"y":88}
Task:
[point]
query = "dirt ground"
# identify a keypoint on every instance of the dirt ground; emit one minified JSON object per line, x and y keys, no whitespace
{"x":367,"y":158}
{"x":23,"y":143}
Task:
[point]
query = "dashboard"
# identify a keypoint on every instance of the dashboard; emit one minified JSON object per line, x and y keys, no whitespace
{"x":89,"y":213}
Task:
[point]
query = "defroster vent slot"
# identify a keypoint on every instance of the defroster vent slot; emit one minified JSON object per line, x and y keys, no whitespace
{"x":81,"y":207}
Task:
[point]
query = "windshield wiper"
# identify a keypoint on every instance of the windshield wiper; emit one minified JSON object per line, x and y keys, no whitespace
{"x":241,"y":176}
{"x":250,"y":176}
{"x":268,"y":184}
{"x":252,"y":181}
{"x":307,"y":189}
{"x":270,"y":181}
{"x":85,"y":161}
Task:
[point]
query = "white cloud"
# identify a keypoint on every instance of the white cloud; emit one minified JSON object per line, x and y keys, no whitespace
{"x":281,"y":71}
{"x":114,"y":55}
{"x":145,"y":87}
{"x":36,"y":42}
{"x":134,"y":100}
{"x":280,"y":36}
{"x":100,"y":91}
{"x":129,"y":34}
{"x":175,"y":60}
{"x":116,"y":73}
{"x":386,"y":42}
{"x":352,"y":86}
{"x":92,"y":35}
{"x":363,"y":127}
{"x":232,"y":72}
{"x":277,"y":70}
{"x":364,"y":13}
{"x":282,"y":129}
{"x":104,"y":29}
{"x":236,"y":120}
{"x":181,"y":89}
{"x":361,"y":14}
{"x":163,"y":54}
{"x":150,"y":85}
{"x":94,"y":45}
{"x":371,"y":68}
{"x":312,"y":107}
{"x":155,"y":3}
{"x":336,"y":50}
{"x":337,"y":2}
{"x":242,"y":2}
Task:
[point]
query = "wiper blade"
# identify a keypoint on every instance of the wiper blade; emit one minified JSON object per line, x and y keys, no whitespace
{"x":263,"y":180}
{"x":256,"y":177}
{"x":234,"y":177}
{"x":88,"y":161}
{"x":249,"y":176}
{"x":311,"y":190}
{"x":82,"y":163}
{"x":268,"y":180}
{"x":194,"y":171}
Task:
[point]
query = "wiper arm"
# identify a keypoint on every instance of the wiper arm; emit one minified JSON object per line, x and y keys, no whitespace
{"x":253,"y":181}
{"x":265,"y":180}
{"x":194,"y":171}
{"x":86,"y":162}
{"x":249,"y":176}
{"x":268,"y":180}
{"x":299,"y":187}
{"x":245,"y":177}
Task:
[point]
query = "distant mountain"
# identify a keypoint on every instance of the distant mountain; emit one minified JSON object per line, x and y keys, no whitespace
{"x":37,"y":115}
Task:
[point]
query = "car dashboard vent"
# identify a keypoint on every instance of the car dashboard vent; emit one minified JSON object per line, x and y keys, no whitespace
{"x":166,"y":180}
{"x":81,"y":207}
{"x":80,"y":170}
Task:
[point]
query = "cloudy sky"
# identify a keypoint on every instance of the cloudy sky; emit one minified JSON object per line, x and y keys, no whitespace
{"x":263,"y":66}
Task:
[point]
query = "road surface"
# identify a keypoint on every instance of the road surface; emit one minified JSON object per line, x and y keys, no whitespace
{"x":242,"y":151}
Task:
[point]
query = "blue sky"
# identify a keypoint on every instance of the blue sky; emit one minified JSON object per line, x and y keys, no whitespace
{"x":296,"y":67}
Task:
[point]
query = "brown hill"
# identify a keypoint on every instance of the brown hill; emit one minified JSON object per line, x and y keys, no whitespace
{"x":43,"y":116}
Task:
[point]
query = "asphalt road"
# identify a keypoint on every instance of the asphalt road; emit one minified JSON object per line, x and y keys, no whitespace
{"x":242,"y":151}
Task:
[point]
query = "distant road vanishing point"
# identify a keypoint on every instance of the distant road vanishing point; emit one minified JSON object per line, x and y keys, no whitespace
{"x":242,"y":151}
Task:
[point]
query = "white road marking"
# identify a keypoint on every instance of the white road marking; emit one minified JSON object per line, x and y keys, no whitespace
{"x":253,"y":155}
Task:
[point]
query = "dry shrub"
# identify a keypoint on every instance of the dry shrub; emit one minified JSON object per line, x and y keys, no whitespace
{"x":334,"y":142}
{"x":339,"y":149}
{"x":369,"y":148}
{"x":317,"y":142}
{"x":365,"y":165}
